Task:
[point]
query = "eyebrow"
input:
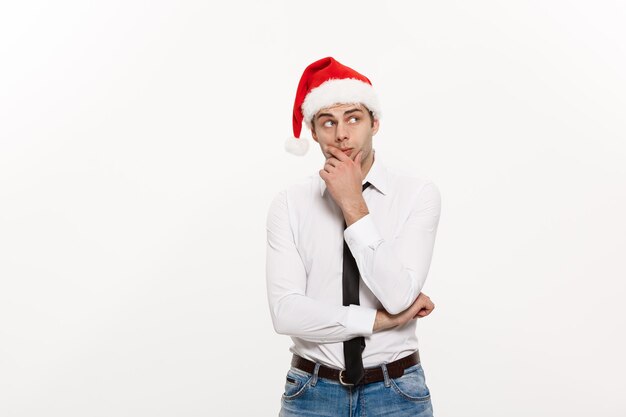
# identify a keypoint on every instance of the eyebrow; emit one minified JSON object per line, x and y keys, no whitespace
{"x":319,"y":116}
{"x":352,"y":111}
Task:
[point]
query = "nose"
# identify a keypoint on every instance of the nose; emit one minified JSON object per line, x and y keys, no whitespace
{"x":342,"y":131}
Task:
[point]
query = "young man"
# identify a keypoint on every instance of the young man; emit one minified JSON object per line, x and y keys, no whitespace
{"x":348,"y":251}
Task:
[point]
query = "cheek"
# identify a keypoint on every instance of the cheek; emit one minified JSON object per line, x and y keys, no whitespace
{"x":324,"y":139}
{"x":363,"y":133}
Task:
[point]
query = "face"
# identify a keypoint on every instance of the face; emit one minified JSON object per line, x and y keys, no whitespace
{"x":348,"y":127}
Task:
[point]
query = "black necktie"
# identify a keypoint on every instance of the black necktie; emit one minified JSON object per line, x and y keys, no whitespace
{"x":353,"y":348}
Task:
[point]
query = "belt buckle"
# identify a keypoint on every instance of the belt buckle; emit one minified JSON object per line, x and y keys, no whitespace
{"x":345,"y":384}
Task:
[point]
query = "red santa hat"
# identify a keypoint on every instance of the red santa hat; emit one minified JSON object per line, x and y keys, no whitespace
{"x":324,"y":83}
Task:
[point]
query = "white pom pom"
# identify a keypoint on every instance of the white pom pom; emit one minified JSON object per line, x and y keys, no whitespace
{"x":297,"y":146}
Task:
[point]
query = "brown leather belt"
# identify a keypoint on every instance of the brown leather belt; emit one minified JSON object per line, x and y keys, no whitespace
{"x":395,"y":369}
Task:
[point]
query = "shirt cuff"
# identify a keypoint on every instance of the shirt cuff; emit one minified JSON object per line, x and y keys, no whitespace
{"x":360,"y":320}
{"x":361,"y":233}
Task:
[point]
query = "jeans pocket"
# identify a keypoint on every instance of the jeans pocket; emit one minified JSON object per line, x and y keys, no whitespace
{"x":296,"y":383}
{"x":412,"y":385}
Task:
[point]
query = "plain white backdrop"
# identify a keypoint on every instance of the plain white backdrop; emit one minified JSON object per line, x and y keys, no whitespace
{"x":142,"y":142}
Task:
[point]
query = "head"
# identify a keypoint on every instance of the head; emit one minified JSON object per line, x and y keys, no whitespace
{"x":349,"y":126}
{"x":330,"y":89}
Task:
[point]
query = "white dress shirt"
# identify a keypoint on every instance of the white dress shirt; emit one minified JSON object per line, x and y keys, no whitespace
{"x":392,"y":246}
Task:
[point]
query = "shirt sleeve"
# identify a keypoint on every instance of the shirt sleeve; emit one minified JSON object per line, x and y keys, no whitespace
{"x":395,"y":270}
{"x":293,"y":313}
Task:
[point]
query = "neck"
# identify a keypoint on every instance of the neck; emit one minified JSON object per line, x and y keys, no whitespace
{"x":367,"y":164}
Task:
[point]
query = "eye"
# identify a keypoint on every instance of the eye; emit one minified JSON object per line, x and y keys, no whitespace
{"x":353,"y":119}
{"x":328,"y":123}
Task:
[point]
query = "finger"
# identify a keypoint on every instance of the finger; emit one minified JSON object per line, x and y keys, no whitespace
{"x":358,"y":157}
{"x":418,"y":305}
{"x":337,"y":153}
{"x":333,"y":161}
{"x":329,"y":168}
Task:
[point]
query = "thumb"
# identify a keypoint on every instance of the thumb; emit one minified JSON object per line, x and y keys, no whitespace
{"x":358,"y":157}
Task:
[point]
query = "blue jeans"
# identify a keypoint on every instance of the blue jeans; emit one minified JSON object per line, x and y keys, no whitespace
{"x":306,"y":395}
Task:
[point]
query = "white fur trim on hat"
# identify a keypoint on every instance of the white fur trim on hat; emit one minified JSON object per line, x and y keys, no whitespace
{"x":297,"y":146}
{"x":336,"y":91}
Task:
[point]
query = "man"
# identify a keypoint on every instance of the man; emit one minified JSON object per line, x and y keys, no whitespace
{"x":348,"y":251}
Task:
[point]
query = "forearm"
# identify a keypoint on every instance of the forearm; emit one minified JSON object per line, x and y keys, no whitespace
{"x":309,"y":319}
{"x":395,"y":270}
{"x":353,"y":211}
{"x":421,"y":307}
{"x":383,"y":321}
{"x":395,"y":283}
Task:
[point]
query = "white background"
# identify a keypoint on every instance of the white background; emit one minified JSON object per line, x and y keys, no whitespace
{"x":142,"y":142}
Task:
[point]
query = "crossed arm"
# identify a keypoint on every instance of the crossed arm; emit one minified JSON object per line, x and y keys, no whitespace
{"x":394,"y":270}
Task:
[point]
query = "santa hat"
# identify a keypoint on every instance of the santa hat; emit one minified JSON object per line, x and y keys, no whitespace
{"x":324,"y":83}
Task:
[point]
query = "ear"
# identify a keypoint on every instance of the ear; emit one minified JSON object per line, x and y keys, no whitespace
{"x":313,"y":135}
{"x":375,"y":126}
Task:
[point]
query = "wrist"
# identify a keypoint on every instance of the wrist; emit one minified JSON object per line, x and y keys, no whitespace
{"x":383,"y":321}
{"x":354,"y":210}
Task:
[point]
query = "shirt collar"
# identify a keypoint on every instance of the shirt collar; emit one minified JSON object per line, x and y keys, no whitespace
{"x":377,"y":176}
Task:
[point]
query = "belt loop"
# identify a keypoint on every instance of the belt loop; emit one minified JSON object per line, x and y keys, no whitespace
{"x":385,"y":374}
{"x":315,"y":372}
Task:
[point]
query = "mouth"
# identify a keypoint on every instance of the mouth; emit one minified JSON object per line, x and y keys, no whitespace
{"x":347,"y":151}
